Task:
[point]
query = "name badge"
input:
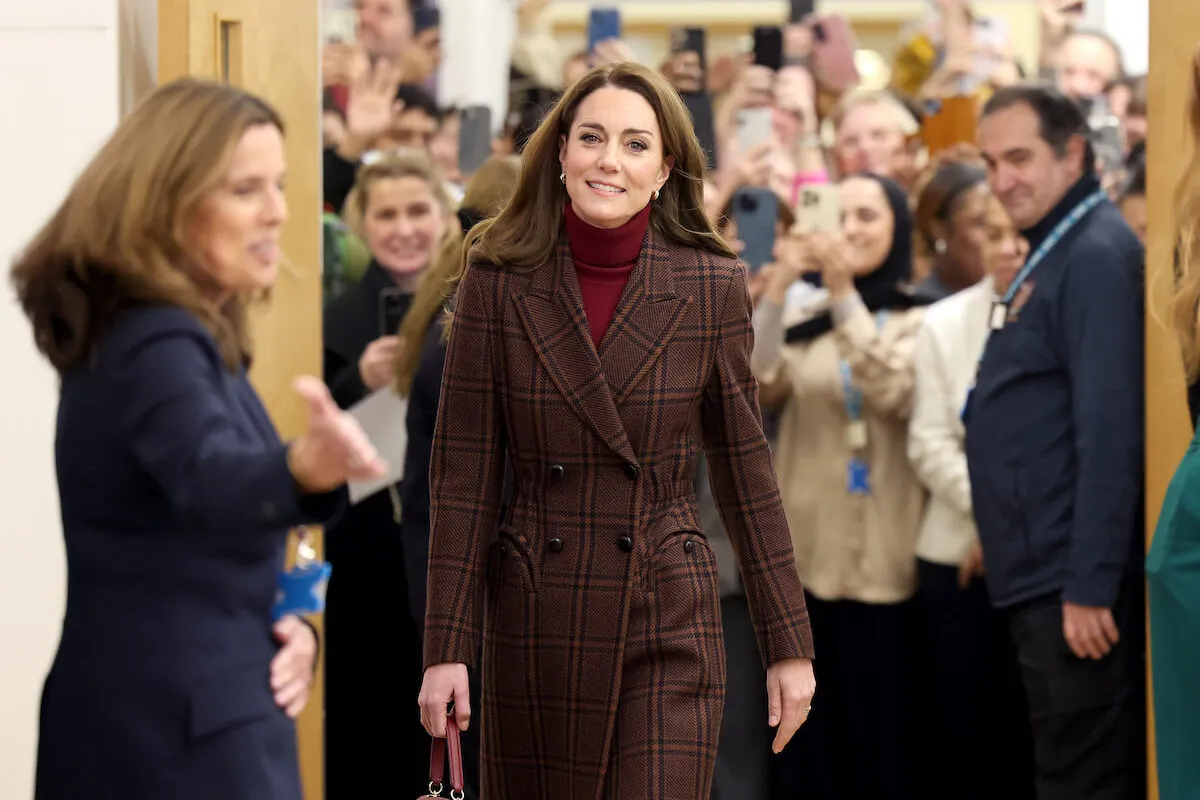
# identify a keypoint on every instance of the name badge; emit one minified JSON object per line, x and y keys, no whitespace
{"x":999,"y":315}
{"x":301,"y":589}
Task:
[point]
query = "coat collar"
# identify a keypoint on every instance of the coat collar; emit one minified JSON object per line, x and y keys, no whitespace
{"x":594,"y":383}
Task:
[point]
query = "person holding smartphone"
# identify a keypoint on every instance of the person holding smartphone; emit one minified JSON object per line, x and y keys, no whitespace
{"x":400,"y":208}
{"x":835,"y":366}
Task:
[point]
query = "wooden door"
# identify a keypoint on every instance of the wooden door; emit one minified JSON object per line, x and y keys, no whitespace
{"x":270,"y":47}
{"x":1174,"y":35}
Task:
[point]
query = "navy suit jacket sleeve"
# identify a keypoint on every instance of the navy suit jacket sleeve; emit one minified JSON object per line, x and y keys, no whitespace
{"x":186,"y":430}
{"x":1102,"y":308}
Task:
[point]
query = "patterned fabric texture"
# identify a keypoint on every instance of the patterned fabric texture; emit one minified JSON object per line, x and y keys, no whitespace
{"x":596,"y":597}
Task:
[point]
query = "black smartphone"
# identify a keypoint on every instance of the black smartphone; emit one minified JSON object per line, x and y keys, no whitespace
{"x":426,"y":17}
{"x":475,"y":138}
{"x":801,"y":9}
{"x":392,"y":305}
{"x":756,"y":211}
{"x":768,"y":47}
{"x":699,"y":105}
{"x":689,"y":40}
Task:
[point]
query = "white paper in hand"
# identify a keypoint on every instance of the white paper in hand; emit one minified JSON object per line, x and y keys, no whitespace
{"x":381,"y":416}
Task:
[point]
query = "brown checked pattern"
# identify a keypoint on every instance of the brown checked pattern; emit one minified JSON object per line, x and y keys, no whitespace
{"x":596,"y":598}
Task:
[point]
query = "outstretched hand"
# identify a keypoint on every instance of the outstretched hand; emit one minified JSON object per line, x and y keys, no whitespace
{"x":335,"y":449}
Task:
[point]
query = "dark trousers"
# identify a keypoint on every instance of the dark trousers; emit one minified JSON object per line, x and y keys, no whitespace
{"x":743,"y":768}
{"x":978,"y":744}
{"x":858,"y":741}
{"x":374,"y":741}
{"x":1088,"y":717}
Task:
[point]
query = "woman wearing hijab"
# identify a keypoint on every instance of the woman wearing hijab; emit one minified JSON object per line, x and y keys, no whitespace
{"x":836,"y":366}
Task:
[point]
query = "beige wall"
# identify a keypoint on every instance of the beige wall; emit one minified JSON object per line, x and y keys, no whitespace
{"x":59,"y":94}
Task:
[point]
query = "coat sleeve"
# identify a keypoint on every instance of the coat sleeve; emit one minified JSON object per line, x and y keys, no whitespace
{"x":745,"y":487}
{"x":1103,"y":325}
{"x":935,"y":446}
{"x":466,"y":475}
{"x":183,"y":431}
{"x":881,"y":361}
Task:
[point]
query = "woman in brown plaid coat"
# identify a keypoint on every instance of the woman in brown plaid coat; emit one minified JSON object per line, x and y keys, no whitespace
{"x":596,"y":371}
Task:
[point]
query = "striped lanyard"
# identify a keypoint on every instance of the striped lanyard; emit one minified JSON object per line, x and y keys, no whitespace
{"x":1000,"y":308}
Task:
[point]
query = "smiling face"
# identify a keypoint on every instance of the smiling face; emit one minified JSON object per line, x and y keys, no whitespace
{"x":613,"y":157}
{"x":1003,"y":248}
{"x":1025,"y":172}
{"x":867,"y":223}
{"x":234,"y":234}
{"x":403,"y":223}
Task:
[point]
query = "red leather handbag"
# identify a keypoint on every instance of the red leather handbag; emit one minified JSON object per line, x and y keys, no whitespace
{"x":442,"y":751}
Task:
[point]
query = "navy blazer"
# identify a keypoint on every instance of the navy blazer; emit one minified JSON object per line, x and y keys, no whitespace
{"x":176,"y":501}
{"x":1055,"y":426}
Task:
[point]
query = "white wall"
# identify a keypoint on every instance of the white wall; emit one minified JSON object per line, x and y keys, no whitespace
{"x":1128,"y":22}
{"x":59,"y":95}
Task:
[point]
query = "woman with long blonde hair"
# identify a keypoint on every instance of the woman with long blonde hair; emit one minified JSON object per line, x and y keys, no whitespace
{"x":400,"y":208}
{"x":1173,"y":564}
{"x":176,"y":492}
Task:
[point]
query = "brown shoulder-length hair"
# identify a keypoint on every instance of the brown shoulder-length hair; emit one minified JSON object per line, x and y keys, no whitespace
{"x":524,"y":235}
{"x":1185,"y":305}
{"x":117,"y":240}
{"x":489,"y":190}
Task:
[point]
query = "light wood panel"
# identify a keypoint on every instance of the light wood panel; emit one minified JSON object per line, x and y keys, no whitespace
{"x":1174,"y":34}
{"x":270,"y":47}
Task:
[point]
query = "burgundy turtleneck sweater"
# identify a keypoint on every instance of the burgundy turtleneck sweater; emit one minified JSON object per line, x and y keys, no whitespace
{"x":604,"y":258}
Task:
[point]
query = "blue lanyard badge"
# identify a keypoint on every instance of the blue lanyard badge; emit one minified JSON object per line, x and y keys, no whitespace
{"x":301,"y":589}
{"x":1000,"y":309}
{"x":858,"y":473}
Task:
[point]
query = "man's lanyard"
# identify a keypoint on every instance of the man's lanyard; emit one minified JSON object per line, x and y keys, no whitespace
{"x":1000,"y":308}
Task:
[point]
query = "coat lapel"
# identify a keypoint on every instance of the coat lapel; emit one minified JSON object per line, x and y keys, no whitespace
{"x":645,"y":320}
{"x":552,"y":313}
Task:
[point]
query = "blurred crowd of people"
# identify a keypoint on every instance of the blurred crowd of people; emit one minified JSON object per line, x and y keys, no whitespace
{"x":926,"y":686}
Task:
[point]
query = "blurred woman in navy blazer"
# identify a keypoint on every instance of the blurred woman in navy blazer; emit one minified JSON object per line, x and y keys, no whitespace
{"x":176,"y":492}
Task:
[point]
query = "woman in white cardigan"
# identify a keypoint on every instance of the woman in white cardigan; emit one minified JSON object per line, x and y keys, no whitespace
{"x":981,"y":729}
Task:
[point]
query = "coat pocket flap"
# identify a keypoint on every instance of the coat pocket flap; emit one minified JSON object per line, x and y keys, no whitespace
{"x":224,"y":701}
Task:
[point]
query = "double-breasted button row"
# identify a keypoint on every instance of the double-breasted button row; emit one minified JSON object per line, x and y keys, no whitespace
{"x":558,"y":472}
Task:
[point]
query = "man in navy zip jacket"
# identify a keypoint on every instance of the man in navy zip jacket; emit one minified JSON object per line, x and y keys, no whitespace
{"x":1054,"y":448}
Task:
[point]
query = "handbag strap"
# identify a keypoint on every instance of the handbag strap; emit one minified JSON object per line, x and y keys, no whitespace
{"x":443,"y":750}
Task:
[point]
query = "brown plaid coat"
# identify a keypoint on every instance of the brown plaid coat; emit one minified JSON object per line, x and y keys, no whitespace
{"x":603,"y":662}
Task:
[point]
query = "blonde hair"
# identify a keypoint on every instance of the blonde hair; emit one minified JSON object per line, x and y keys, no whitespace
{"x":489,"y":190}
{"x":1185,"y":304}
{"x":117,"y":239}
{"x":404,"y":164}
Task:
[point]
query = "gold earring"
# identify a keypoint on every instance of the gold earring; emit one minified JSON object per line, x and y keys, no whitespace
{"x":657,"y":192}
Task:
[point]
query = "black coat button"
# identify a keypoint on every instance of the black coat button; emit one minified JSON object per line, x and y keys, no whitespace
{"x":625,"y":543}
{"x":555,"y":545}
{"x":689,"y":546}
{"x":633,"y":470}
{"x":557,"y":472}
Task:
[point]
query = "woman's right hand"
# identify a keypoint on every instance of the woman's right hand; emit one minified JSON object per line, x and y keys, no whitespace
{"x":444,"y":684}
{"x":377,"y":365}
{"x":335,"y":449}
